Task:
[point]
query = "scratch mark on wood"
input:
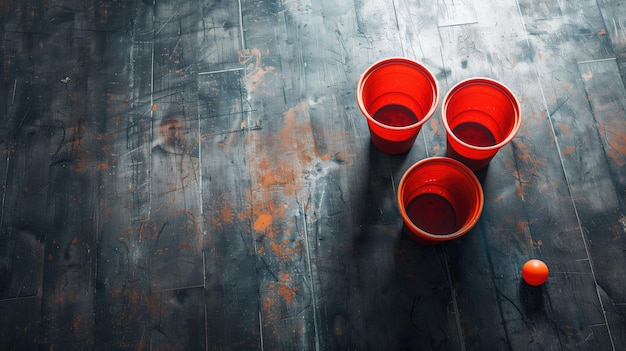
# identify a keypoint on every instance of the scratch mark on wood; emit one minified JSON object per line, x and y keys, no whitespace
{"x":221,"y":71}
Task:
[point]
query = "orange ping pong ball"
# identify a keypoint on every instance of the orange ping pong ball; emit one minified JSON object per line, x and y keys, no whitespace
{"x":535,"y":272}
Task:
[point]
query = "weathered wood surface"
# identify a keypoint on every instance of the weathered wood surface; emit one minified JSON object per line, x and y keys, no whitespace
{"x":197,"y":175}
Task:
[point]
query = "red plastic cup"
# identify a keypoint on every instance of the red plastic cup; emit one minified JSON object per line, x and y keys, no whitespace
{"x":480,"y":115}
{"x":397,"y":96}
{"x":440,"y":199}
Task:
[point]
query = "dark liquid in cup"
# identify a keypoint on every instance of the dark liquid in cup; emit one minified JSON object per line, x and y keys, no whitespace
{"x":395,"y":116}
{"x":432,"y":213}
{"x":474,"y":134}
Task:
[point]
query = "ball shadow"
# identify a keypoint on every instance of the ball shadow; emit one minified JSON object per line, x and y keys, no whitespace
{"x":532,"y":298}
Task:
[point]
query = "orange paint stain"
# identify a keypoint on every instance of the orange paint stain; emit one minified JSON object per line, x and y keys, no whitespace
{"x":223,"y":213}
{"x":509,"y":218}
{"x":283,"y":161}
{"x":434,"y":126}
{"x":614,"y":133}
{"x":242,"y":216}
{"x":532,"y":164}
{"x":617,"y":158}
{"x":256,"y":72}
{"x":267,"y":304}
{"x":116,"y":292}
{"x":264,"y":164}
{"x":520,"y":190}
{"x":287,"y":251}
{"x":279,"y":250}
{"x":77,"y":322}
{"x":287,"y":158}
{"x":524,"y":154}
{"x":277,"y":294}
{"x":278,"y":178}
{"x":78,"y":164}
{"x":521,"y":226}
{"x":185,"y":246}
{"x":263,"y":222}
{"x":569,"y":151}
{"x":226,"y":214}
{"x":566,"y":129}
{"x":287,"y":293}
{"x":285,"y":276}
{"x":153,"y":302}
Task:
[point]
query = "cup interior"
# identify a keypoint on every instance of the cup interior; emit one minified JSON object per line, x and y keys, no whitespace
{"x":481,"y":113}
{"x":440,"y":199}
{"x":397,"y":94}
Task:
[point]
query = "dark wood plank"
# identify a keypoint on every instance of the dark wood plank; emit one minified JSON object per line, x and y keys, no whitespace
{"x":369,"y":273}
{"x":124,"y":305}
{"x":67,"y":289}
{"x":524,"y":186}
{"x":222,"y":36}
{"x":22,"y":254}
{"x":278,"y":156}
{"x":329,"y":122}
{"x":263,"y":218}
{"x":454,"y":13}
{"x":485,"y":285}
{"x":23,"y":233}
{"x":232,"y":300}
{"x":175,"y":220}
{"x":603,"y":221}
{"x":179,"y":324}
{"x":149,"y":269}
{"x":20,"y":328}
{"x":56,"y":126}
{"x":614,"y":15}
{"x":583,"y":156}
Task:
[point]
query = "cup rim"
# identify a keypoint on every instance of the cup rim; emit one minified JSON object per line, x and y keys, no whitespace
{"x":461,"y":231}
{"x":404,"y":60}
{"x":494,"y":83}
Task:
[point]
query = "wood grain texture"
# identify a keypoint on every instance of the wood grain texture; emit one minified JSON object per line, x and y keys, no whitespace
{"x":188,"y":175}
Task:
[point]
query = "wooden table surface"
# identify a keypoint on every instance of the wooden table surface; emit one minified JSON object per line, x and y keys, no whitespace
{"x":197,"y":175}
